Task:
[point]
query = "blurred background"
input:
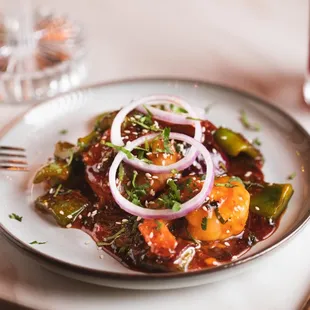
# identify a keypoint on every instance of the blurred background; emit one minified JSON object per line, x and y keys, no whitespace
{"x":257,"y":45}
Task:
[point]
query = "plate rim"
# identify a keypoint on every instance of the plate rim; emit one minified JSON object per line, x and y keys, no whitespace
{"x":86,"y":271}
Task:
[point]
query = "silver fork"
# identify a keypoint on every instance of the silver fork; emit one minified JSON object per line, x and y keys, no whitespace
{"x":13,"y":158}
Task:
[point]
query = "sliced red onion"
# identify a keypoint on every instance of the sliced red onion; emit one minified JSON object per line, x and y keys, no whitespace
{"x":168,"y":214}
{"x":116,"y":137}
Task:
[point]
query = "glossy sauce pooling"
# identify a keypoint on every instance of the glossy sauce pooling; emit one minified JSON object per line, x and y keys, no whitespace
{"x":117,"y":231}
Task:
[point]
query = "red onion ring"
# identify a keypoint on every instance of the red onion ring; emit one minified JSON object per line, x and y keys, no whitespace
{"x":116,"y":137}
{"x":185,"y":162}
{"x":168,"y":214}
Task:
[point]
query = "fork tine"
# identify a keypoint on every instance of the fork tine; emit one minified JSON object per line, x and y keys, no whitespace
{"x":13,"y":168}
{"x":11,"y":161}
{"x":12,"y":148}
{"x":12,"y":155}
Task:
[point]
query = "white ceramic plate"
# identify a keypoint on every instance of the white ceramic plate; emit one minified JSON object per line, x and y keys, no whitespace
{"x":71,"y":252}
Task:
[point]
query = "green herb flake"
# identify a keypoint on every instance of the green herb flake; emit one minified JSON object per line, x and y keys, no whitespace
{"x":257,"y":142}
{"x":63,"y":131}
{"x":227,"y":185}
{"x":174,"y":171}
{"x":120,"y":149}
{"x":57,"y":190}
{"x":37,"y":242}
{"x":111,"y":239}
{"x":14,"y":216}
{"x":176,"y":206}
{"x":204,"y":223}
{"x":159,"y":224}
{"x":246,"y":123}
{"x":219,"y":216}
{"x":121,"y":172}
{"x":166,"y":134}
{"x":176,"y":109}
{"x":235,"y":179}
{"x":194,"y":119}
{"x":292,"y":176}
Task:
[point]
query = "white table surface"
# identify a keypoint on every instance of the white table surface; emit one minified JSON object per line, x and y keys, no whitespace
{"x":258,"y":46}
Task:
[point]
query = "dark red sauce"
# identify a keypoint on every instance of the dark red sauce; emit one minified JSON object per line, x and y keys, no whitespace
{"x":104,"y":218}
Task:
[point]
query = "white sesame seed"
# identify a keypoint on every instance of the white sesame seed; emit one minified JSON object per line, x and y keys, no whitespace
{"x":149,"y":243}
{"x":88,"y":214}
{"x":87,"y":242}
{"x":227,"y":243}
{"x":94,"y":212}
{"x":148,"y":175}
{"x":69,"y":216}
{"x":165,"y":155}
{"x":240,"y":198}
{"x":69,"y":226}
{"x":149,"y":153}
{"x":105,"y":159}
{"x":249,"y":173}
{"x":256,"y":208}
{"x":124,"y":220}
{"x":151,"y":235}
{"x":118,"y":223}
{"x":203,"y":129}
{"x":163,"y":162}
{"x":224,"y":137}
{"x":80,"y":216}
{"x":214,"y":151}
{"x":135,"y":133}
{"x":152,"y":192}
{"x":151,"y":182}
{"x":155,"y":177}
{"x":204,"y":208}
{"x":227,"y":231}
{"x":128,"y":183}
{"x":101,"y":256}
{"x":139,"y":218}
{"x":61,"y":212}
{"x":126,"y":131}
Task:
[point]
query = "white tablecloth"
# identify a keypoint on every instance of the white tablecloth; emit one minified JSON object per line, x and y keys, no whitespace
{"x":257,"y":45}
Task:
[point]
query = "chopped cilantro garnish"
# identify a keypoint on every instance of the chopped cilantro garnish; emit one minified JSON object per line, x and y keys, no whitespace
{"x":194,"y":118}
{"x":121,"y":172}
{"x":257,"y":142}
{"x":235,"y":179}
{"x":133,"y":182}
{"x":111,"y":239}
{"x":291,"y":176}
{"x":249,"y":184}
{"x":58,"y":189}
{"x":120,"y":149}
{"x":146,"y":122}
{"x":166,"y":134}
{"x":137,"y":191}
{"x":204,"y":223}
{"x":174,"y":171}
{"x":16,"y":217}
{"x":246,"y":123}
{"x":63,"y":131}
{"x":228,"y":185}
{"x":172,"y":200}
{"x":37,"y":242}
{"x":219,"y":216}
{"x":176,"y":206}
{"x":159,"y":224}
{"x":176,"y":109}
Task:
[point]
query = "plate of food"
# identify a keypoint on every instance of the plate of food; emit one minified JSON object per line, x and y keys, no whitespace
{"x":152,"y":184}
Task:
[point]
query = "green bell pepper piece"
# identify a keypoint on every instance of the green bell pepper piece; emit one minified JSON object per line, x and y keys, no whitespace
{"x":56,"y":171}
{"x":104,"y":121}
{"x":65,"y":207}
{"x":234,"y":143}
{"x":271,"y":200}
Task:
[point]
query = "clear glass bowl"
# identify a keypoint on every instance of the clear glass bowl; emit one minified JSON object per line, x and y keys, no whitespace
{"x":41,"y":62}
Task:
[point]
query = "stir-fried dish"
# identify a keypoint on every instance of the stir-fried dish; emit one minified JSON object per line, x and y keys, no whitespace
{"x":162,"y":189}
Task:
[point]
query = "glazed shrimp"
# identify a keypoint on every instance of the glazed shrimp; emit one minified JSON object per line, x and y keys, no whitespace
{"x":225,"y":214}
